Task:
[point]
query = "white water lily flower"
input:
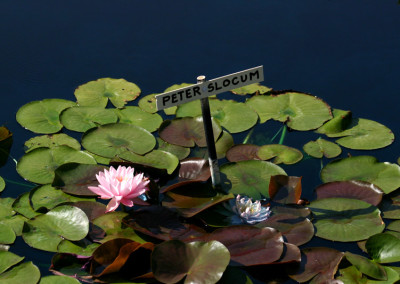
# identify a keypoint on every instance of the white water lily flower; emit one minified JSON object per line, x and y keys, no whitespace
{"x":250,"y":212}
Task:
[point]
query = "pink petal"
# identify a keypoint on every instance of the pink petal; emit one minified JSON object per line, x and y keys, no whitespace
{"x":127,"y":202}
{"x":100,"y":192}
{"x":112,"y":205}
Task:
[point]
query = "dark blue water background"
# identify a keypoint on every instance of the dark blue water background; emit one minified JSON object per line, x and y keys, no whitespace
{"x":345,"y":52}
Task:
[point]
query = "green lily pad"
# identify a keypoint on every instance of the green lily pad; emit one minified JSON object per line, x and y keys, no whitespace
{"x":318,"y":262}
{"x":148,"y":103}
{"x":43,"y":116}
{"x":223,"y":144}
{"x":367,"y":266}
{"x":48,"y":197}
{"x":365,"y":168}
{"x":46,"y":231}
{"x":351,"y":275}
{"x":340,"y":121}
{"x":113,"y":139}
{"x":251,"y":89}
{"x":16,"y":223}
{"x":179,"y":151}
{"x":360,"y":190}
{"x":39,"y":165}
{"x":81,"y":118}
{"x":200,"y":262}
{"x":23,"y":206}
{"x":51,"y":141}
{"x":6,"y":207}
{"x":113,"y":227}
{"x":391,"y":205}
{"x":156,"y":159}
{"x":365,"y":135}
{"x":394,"y":226}
{"x":7,"y":234}
{"x":58,"y":279}
{"x":346,"y":220}
{"x":134,"y":115}
{"x":393,"y":276}
{"x":26,"y":273}
{"x":6,"y":141}
{"x":383,"y":248}
{"x":321,"y":147}
{"x":299,"y":111}
{"x":187,"y":131}
{"x":8,"y":259}
{"x":2,"y":184}
{"x":172,"y":110}
{"x":280,"y":153}
{"x":75,"y":178}
{"x":250,"y":178}
{"x":97,"y":93}
{"x":235,"y":117}
{"x":84,"y":248}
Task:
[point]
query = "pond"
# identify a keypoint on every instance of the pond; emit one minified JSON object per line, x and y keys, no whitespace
{"x":345,"y":53}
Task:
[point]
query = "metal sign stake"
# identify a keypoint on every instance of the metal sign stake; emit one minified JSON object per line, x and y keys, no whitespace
{"x":212,"y":153}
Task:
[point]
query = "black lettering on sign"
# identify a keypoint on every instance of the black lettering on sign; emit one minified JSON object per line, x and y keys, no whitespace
{"x":196,"y":91}
{"x":174,"y":99}
{"x":180,"y":93}
{"x":188,"y":93}
{"x":252,"y":74}
{"x":226,"y":83}
{"x":216,"y":86}
{"x":210,"y":87}
{"x":165,"y":100}
{"x":243,"y":78}
{"x":233,"y":81}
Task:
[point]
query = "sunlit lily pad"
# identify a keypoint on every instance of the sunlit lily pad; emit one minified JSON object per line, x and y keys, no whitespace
{"x":83,"y":247}
{"x":97,"y":93}
{"x":6,"y":209}
{"x":148,"y":103}
{"x":113,"y":139}
{"x":7,"y":234}
{"x":299,"y":111}
{"x":58,"y":279}
{"x":156,"y":159}
{"x":179,"y":151}
{"x":39,"y":165}
{"x":346,"y":220}
{"x":279,"y":154}
{"x":134,"y":115}
{"x":383,"y":248}
{"x":234,"y":116}
{"x":391,"y":205}
{"x":250,"y":178}
{"x":46,"y":231}
{"x":200,"y":262}
{"x":318,"y":262}
{"x":322,"y":148}
{"x":187,"y":131}
{"x":26,"y":273}
{"x":365,"y":135}
{"x":48,"y":197}
{"x":23,"y":206}
{"x":81,"y":118}
{"x":43,"y":116}
{"x":360,"y":190}
{"x":2,"y":184}
{"x":15,"y":222}
{"x":224,"y":143}
{"x":340,"y":121}
{"x":172,"y":110}
{"x":242,"y":152}
{"x":51,"y":141}
{"x":367,"y":266}
{"x":8,"y":259}
{"x":251,"y":89}
{"x":365,"y":168}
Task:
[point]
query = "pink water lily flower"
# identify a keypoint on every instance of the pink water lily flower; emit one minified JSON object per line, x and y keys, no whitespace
{"x":121,"y":185}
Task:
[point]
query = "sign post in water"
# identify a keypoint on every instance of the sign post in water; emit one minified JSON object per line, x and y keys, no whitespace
{"x":201,"y":91}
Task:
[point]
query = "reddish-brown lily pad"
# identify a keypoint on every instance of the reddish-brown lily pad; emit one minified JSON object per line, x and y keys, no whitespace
{"x":242,"y":152}
{"x":360,"y":190}
{"x":285,"y":189}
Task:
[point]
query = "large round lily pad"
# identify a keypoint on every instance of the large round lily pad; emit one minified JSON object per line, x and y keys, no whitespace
{"x":113,"y":139}
{"x":8,"y":259}
{"x":299,"y":111}
{"x":234,"y":116}
{"x":46,"y":231}
{"x":187,"y":131}
{"x":81,"y":118}
{"x":242,"y":152}
{"x":200,"y":262}
{"x":280,"y":154}
{"x":134,"y":115}
{"x":321,"y":147}
{"x":346,"y":220}
{"x":365,"y":168}
{"x":39,"y":165}
{"x":97,"y":93}
{"x":365,"y":135}
{"x":43,"y":116}
{"x":250,"y":178}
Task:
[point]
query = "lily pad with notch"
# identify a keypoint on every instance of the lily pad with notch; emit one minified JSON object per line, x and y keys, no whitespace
{"x":179,"y":151}
{"x":280,"y":154}
{"x":51,"y":141}
{"x":136,"y":116}
{"x":322,"y":148}
{"x":148,"y":103}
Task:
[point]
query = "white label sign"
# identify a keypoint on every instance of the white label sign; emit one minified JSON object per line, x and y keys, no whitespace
{"x":209,"y":88}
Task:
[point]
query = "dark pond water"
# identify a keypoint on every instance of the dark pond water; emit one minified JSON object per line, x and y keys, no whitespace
{"x":346,"y":52}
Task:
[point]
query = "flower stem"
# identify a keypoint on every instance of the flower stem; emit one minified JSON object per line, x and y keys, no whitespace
{"x":246,"y":139}
{"x":18,"y":183}
{"x":283,"y":134}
